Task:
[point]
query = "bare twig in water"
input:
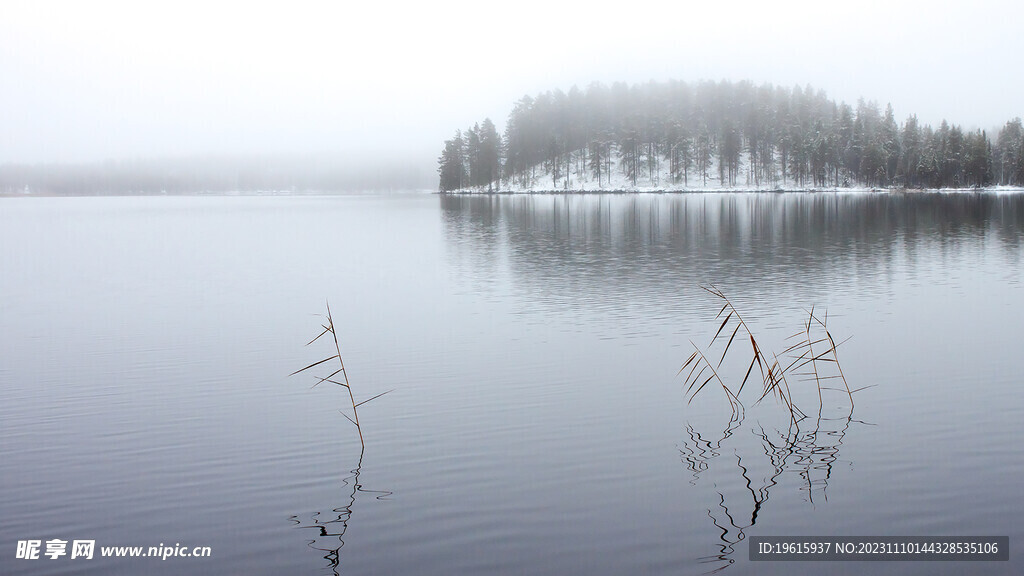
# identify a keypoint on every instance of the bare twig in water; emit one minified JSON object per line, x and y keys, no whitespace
{"x":328,"y":328}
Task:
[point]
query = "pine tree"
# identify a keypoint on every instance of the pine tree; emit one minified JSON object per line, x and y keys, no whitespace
{"x":629,"y":154}
{"x":908,"y":170}
{"x":977,"y":165}
{"x":452,"y":168}
{"x":489,"y":156}
{"x":1009,"y":154}
{"x":729,"y":152}
{"x":704,"y":152}
{"x":890,"y":139}
{"x":597,"y":159}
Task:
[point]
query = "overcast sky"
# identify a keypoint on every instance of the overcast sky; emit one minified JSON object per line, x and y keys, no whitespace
{"x":96,"y":80}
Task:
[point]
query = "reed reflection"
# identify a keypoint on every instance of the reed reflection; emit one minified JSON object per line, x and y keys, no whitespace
{"x":750,"y":460}
{"x":808,"y":370}
{"x":331,"y":526}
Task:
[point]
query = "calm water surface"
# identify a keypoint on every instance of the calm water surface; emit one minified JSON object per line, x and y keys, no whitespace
{"x":537,"y":425}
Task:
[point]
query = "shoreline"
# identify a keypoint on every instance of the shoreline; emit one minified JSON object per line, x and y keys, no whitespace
{"x":618,"y":191}
{"x":536,"y":192}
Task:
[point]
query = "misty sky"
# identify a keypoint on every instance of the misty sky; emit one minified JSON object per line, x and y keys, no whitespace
{"x":89,"y":81}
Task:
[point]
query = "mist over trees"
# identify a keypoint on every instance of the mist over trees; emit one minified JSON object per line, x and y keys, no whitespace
{"x":740,"y":134}
{"x":219,"y":175}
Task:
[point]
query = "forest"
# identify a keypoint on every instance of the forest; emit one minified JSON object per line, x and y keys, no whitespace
{"x":676,"y":135}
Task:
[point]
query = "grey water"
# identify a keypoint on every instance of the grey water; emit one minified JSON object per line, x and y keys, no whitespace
{"x":537,"y":423}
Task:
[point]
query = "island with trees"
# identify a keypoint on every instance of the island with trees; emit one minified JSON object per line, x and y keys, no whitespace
{"x":675,"y":136}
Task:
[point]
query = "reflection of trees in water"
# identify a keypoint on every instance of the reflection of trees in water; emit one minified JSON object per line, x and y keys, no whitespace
{"x":330,"y":527}
{"x":600,"y":247}
{"x":809,"y":453}
{"x":633,"y":256}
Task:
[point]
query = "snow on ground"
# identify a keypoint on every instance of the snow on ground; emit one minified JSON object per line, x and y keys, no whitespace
{"x":585,"y":182}
{"x":988,"y":189}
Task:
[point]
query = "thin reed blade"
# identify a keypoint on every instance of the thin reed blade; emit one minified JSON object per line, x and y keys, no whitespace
{"x":314,"y":364}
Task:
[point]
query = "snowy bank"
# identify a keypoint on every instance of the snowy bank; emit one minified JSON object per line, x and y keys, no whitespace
{"x":659,"y":180}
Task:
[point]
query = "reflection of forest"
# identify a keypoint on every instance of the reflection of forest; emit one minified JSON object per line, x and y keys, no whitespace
{"x":628,"y":258}
{"x":601,"y":247}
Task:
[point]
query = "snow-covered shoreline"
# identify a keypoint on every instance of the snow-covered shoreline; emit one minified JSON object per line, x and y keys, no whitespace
{"x":737,"y":190}
{"x":659,"y":181}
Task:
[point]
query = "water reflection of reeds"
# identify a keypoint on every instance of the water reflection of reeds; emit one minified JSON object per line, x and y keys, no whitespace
{"x":331,"y":526}
{"x":808,"y":453}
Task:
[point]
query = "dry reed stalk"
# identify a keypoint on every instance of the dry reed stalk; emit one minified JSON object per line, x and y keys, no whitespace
{"x":328,"y":327}
{"x":806,"y":354}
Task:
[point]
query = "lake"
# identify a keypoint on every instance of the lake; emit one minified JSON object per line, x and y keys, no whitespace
{"x":537,"y":424}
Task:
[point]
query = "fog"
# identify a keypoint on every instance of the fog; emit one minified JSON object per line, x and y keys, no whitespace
{"x":112,"y":81}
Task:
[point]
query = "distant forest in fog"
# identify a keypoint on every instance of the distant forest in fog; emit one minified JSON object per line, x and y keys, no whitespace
{"x":742,"y":135}
{"x":215,"y":175}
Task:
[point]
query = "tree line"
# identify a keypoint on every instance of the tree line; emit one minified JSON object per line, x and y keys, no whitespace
{"x":216,"y":174}
{"x":745,"y":135}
